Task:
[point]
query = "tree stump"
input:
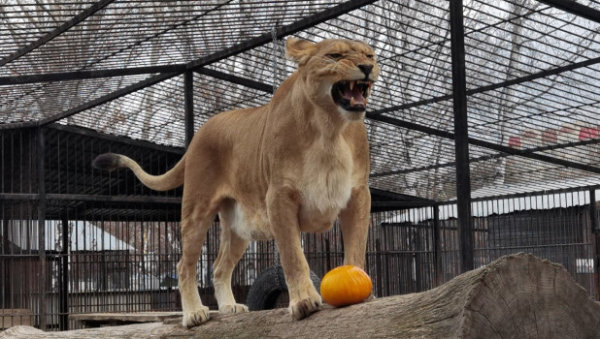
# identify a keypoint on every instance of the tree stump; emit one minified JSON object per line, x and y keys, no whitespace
{"x":517,"y":296}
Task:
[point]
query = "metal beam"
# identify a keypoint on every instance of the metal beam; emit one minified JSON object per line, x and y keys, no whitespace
{"x":392,"y":196}
{"x":215,"y":57}
{"x":58,"y":31}
{"x":376,"y":116}
{"x":259,"y":86}
{"x":528,"y":194}
{"x":282,"y":31}
{"x":120,"y":139}
{"x":91,"y":104}
{"x":146,"y":200}
{"x":531,"y":77}
{"x":80,"y":75}
{"x":491,"y":157}
{"x":107,"y":98}
{"x":527,"y":153}
{"x":574,"y":7}
{"x":378,"y":204}
{"x":179,"y":68}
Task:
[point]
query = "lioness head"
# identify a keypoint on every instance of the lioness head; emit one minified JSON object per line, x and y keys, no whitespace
{"x":339,"y":74}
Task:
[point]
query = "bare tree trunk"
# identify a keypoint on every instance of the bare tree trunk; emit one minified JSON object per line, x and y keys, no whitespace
{"x":519,"y":296}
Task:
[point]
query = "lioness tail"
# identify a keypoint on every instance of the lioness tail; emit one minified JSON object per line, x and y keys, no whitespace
{"x":169,"y":180}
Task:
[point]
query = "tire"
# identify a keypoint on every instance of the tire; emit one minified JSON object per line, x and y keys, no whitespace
{"x":268,"y":286}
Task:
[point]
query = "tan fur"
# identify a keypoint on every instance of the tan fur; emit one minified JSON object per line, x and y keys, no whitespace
{"x":291,"y":166}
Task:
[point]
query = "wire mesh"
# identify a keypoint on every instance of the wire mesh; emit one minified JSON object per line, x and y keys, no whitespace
{"x":539,"y":61}
{"x":532,"y":90}
{"x":112,"y":256}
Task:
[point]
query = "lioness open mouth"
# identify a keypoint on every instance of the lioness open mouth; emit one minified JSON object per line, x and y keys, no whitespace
{"x":352,"y":95}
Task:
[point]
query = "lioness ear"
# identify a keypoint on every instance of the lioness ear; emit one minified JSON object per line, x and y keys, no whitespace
{"x":298,"y":50}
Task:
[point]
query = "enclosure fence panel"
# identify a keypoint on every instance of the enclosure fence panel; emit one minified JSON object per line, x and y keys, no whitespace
{"x":557,"y":227}
{"x":108,"y":265}
{"x":78,"y":79}
{"x":105,"y":243}
{"x":87,"y":241}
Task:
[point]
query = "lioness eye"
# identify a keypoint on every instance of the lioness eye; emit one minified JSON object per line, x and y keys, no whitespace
{"x":370,"y":56}
{"x":334,"y":55}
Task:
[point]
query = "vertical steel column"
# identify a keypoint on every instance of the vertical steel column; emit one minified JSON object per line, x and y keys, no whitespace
{"x":5,"y":263}
{"x":596,"y":236}
{"x":593,"y":212}
{"x":41,"y":151}
{"x":437,"y":247}
{"x":461,"y":141}
{"x":64,"y":277}
{"x":188,"y":84}
{"x":379,"y":268}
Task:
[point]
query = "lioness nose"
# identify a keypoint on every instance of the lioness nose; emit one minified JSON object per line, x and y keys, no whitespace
{"x":366,"y":69}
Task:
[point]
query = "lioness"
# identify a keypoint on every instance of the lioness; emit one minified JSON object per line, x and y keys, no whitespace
{"x":291,"y":166}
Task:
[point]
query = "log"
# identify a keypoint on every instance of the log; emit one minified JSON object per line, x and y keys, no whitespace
{"x":517,"y":296}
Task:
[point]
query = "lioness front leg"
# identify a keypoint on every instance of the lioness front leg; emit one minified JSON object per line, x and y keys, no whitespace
{"x":283,"y":206}
{"x":354,"y":222}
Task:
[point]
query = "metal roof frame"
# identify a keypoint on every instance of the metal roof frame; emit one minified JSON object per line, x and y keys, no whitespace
{"x":157,"y":74}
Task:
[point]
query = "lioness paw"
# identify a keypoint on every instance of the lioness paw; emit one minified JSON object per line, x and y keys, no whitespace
{"x":195,"y":317}
{"x":301,"y":309}
{"x":231,"y":309}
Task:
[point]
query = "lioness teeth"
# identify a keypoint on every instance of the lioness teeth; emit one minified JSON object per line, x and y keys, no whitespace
{"x":352,"y":94}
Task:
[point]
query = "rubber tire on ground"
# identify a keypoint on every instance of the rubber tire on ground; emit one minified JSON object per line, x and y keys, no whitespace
{"x":268,"y":286}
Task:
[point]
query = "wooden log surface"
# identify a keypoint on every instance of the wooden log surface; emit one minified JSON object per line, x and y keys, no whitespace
{"x":518,"y":296}
{"x":103,"y":319}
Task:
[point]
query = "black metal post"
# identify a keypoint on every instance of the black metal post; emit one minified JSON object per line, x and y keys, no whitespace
{"x":596,"y":236}
{"x":380,"y":269}
{"x":437,"y":246}
{"x":64,"y":278}
{"x":41,"y":151}
{"x":5,"y":252}
{"x":594,"y":212}
{"x":461,"y":140}
{"x":188,"y":84}
{"x":328,"y":263}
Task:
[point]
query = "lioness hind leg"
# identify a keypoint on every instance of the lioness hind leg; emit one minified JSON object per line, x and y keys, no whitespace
{"x":231,"y":250}
{"x":193,"y":233}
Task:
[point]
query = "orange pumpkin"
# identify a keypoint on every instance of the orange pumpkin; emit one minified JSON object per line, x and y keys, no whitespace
{"x":345,"y":285}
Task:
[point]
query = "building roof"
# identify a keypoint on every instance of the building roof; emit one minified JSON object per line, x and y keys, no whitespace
{"x":83,"y":236}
